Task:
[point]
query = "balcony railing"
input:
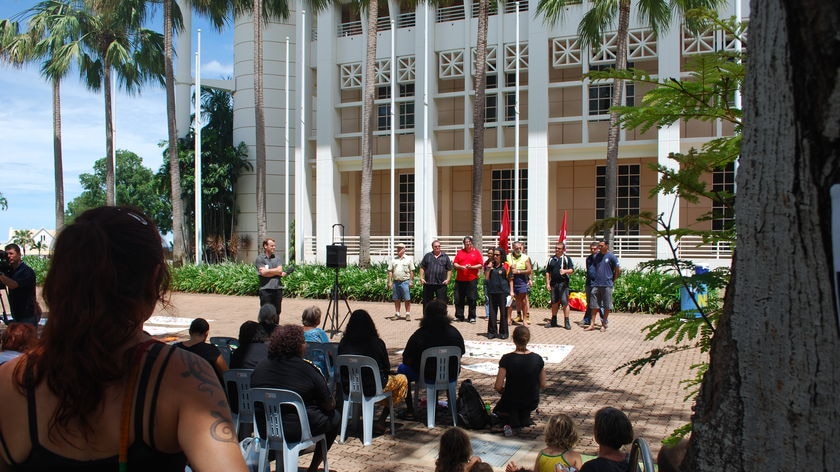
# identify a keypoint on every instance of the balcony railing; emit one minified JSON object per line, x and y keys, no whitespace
{"x":577,"y":246}
{"x":453,"y":13}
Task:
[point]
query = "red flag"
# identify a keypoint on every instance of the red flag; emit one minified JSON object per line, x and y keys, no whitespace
{"x":504,"y":231}
{"x":562,"y":238}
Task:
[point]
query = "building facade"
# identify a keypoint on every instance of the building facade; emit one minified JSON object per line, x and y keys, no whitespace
{"x":546,"y":123}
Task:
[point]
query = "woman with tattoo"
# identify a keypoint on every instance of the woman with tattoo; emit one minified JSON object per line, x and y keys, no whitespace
{"x":97,"y":392}
{"x":287,"y":369}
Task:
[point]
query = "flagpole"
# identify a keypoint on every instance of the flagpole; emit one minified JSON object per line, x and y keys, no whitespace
{"x":516,"y":137}
{"x":199,"y":250}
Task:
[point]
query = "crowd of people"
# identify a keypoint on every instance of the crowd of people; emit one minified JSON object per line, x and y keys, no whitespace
{"x":94,"y":362}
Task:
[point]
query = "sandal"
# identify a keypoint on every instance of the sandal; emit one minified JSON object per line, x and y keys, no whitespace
{"x":407,"y":415}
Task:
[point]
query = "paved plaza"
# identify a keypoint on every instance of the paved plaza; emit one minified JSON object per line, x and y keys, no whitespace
{"x":581,"y":383}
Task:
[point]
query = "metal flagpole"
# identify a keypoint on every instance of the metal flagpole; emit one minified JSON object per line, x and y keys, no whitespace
{"x":286,"y":148}
{"x":393,"y":126}
{"x":199,"y":249}
{"x":516,"y":137}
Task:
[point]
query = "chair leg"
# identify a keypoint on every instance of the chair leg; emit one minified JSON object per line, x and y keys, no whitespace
{"x":367,"y":422}
{"x":431,"y":406}
{"x":264,"y":466}
{"x":290,"y":459}
{"x":345,"y":416}
{"x":453,"y":404}
{"x":392,"y":414}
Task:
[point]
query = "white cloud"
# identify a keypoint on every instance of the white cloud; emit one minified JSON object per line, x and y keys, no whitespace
{"x":216,"y":68}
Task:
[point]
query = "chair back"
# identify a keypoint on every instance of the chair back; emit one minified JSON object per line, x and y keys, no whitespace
{"x":272,"y":399}
{"x":238,"y":390}
{"x":351,"y":367}
{"x":640,"y":457}
{"x":324,"y":356}
{"x":442,"y":356}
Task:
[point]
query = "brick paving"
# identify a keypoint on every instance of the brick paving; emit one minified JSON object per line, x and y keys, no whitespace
{"x":582,"y":383}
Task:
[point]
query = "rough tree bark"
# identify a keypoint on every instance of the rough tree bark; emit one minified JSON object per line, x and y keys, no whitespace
{"x":769,"y":400}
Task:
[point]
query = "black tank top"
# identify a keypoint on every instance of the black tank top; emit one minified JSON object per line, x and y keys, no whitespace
{"x":141,"y":456}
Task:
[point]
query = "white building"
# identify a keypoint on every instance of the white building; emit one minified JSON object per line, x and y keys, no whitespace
{"x":425,"y":61}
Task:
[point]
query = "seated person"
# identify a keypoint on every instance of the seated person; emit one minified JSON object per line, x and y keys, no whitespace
{"x":287,"y":369}
{"x":362,"y":338}
{"x":17,"y":339}
{"x":521,"y":377}
{"x":197,"y":344}
{"x":455,"y":452}
{"x":268,"y":319}
{"x":253,"y":346}
{"x":435,"y":330}
{"x":612,"y":431}
{"x":311,"y":318}
{"x":558,"y":456}
{"x":670,"y":457}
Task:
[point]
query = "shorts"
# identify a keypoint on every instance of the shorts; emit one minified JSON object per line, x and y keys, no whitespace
{"x":601,"y":297}
{"x":400,"y":290}
{"x":520,"y":285}
{"x":560,"y":293}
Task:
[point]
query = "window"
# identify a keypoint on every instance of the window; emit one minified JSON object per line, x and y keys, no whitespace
{"x":405,"y":107}
{"x":627,"y":196}
{"x":502,"y":190}
{"x":406,"y":206}
{"x":510,"y":106}
{"x":723,"y":182}
{"x":600,"y":94}
{"x":491,"y":99}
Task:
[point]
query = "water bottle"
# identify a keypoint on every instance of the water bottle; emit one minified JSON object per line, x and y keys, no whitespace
{"x":508,"y":430}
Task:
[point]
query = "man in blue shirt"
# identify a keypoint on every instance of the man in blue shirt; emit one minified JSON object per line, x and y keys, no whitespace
{"x":602,"y":273}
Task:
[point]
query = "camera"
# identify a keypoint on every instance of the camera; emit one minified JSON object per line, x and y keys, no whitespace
{"x":5,"y":264}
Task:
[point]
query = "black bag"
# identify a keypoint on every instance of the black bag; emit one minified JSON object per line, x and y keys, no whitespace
{"x":471,"y":410}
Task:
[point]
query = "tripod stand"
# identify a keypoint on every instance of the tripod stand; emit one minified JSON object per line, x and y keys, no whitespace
{"x":332,"y":308}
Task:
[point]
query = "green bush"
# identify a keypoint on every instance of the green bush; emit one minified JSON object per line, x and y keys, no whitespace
{"x":40,"y":265}
{"x":635,"y":290}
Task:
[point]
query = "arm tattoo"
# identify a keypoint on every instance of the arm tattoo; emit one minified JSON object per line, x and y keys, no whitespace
{"x":200,"y":370}
{"x":222,"y":429}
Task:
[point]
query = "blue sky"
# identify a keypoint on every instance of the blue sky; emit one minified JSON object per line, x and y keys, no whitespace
{"x":26,"y":156}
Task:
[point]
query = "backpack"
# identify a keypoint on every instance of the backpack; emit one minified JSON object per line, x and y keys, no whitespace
{"x":471,"y":410}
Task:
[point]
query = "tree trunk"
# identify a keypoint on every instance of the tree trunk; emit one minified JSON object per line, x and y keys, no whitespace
{"x":369,"y":86}
{"x":178,"y":241}
{"x":769,"y":399}
{"x":57,"y":157}
{"x":478,"y":122}
{"x":110,"y":182}
{"x":259,"y":122}
{"x":613,"y":133}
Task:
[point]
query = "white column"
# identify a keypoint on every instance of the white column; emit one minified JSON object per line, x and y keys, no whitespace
{"x":539,"y":184}
{"x":425,"y":171}
{"x":668,"y":137}
{"x":328,"y":190}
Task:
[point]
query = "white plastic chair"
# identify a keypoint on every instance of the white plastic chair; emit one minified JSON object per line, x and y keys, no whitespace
{"x":441,"y":355}
{"x":272,"y":399}
{"x":238,"y":389}
{"x":354,"y":366}
{"x":640,"y":457}
{"x":328,"y":352}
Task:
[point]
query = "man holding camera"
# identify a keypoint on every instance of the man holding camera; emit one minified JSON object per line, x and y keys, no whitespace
{"x":20,"y":279}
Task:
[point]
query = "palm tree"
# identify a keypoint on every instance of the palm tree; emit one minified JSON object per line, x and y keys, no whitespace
{"x":50,"y":26}
{"x":23,"y":238}
{"x":113,"y":41}
{"x":4,"y":204}
{"x":368,"y":91}
{"x":601,"y":16}
{"x":478,"y":120}
{"x":39,"y":246}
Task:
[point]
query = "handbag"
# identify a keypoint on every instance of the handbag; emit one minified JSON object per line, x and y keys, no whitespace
{"x":250,"y":448}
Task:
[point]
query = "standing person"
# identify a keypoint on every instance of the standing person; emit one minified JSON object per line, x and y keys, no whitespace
{"x":593,"y":249}
{"x":21,"y":283}
{"x":520,"y":378}
{"x":603,"y":272}
{"x":435,"y":272}
{"x":197,"y":344}
{"x":612,"y":431}
{"x":270,"y":270}
{"x":489,"y":260}
{"x":64,"y":403}
{"x":400,"y":280}
{"x":520,"y":269}
{"x":286,"y":368}
{"x":557,"y":271}
{"x":498,"y":286}
{"x":467,"y":263}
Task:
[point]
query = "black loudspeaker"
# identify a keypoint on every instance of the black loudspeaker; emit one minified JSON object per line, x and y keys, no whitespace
{"x":336,"y":255}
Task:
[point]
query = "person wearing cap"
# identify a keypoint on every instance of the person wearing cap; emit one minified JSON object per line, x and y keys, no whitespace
{"x":400,"y":280}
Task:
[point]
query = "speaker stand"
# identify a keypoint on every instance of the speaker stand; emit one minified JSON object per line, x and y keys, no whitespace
{"x":332,"y":309}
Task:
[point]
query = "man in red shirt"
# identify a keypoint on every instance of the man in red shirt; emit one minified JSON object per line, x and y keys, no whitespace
{"x":467,"y":263}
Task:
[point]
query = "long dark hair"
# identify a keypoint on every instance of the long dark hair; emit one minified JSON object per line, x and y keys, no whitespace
{"x":107,"y":274}
{"x":360,"y":326}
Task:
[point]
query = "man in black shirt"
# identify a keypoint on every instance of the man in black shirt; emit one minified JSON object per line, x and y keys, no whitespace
{"x":435,"y":271}
{"x":21,"y":283}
